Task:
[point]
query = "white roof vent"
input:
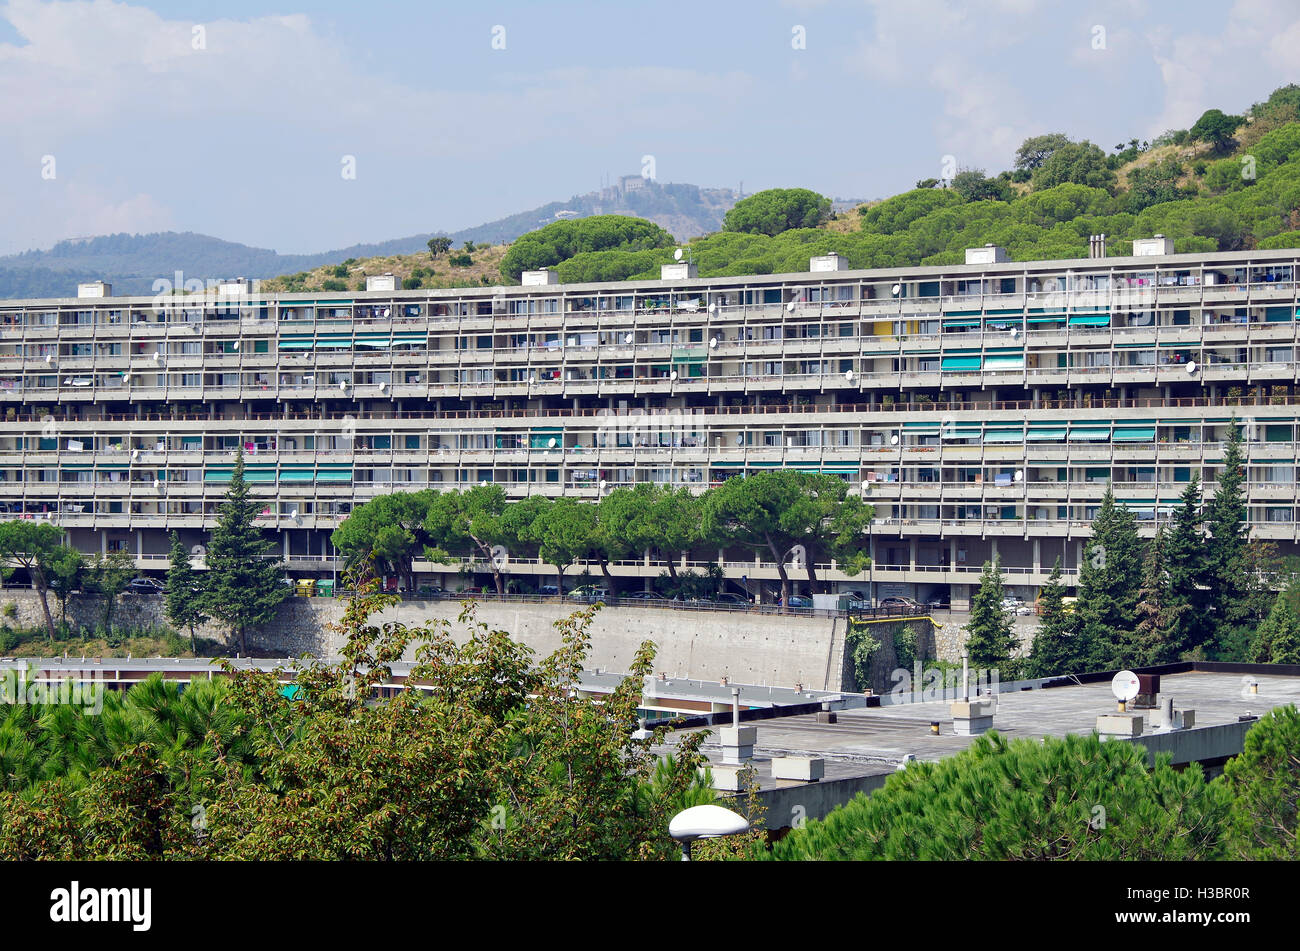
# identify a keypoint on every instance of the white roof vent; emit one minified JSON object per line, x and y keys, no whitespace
{"x":828,"y":262}
{"x":989,"y":254}
{"x":539,"y":278}
{"x":95,"y":289}
{"x":1153,"y":246}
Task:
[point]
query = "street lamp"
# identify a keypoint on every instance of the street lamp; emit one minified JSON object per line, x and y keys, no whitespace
{"x":704,"y":822}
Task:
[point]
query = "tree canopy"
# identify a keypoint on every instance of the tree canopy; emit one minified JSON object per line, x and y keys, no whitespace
{"x":562,"y":240}
{"x":777,"y":210}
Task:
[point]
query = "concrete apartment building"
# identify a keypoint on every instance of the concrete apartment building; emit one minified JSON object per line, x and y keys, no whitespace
{"x":981,"y":408}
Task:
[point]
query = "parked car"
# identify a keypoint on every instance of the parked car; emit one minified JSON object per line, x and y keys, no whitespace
{"x":146,"y":585}
{"x":936,"y":602}
{"x":728,"y":597}
{"x":896,"y":603}
{"x":430,"y":591}
{"x":589,"y":592}
{"x":548,"y":591}
{"x":800,"y":601}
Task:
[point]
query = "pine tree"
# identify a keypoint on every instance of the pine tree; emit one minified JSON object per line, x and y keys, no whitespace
{"x":183,"y":591}
{"x":1277,"y":639}
{"x":1227,"y":560}
{"x":1190,"y":579}
{"x":989,"y":637}
{"x":1055,"y":649}
{"x":245,"y":584}
{"x":1110,"y":577}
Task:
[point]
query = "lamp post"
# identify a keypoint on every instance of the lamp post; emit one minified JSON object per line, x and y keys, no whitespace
{"x":704,"y":822}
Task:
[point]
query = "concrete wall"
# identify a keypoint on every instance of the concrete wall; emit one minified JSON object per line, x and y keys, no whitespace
{"x":769,"y":650}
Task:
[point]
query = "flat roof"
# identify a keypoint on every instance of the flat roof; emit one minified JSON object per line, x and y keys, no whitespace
{"x":794,"y":277}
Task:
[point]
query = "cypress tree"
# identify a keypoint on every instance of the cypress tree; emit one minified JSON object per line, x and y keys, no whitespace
{"x":245,"y":584}
{"x":1110,"y":577}
{"x":1055,"y":649}
{"x":1277,"y":639}
{"x":1226,"y":550}
{"x":989,"y":637}
{"x":1155,"y":637}
{"x":1190,"y":578}
{"x":183,"y":591}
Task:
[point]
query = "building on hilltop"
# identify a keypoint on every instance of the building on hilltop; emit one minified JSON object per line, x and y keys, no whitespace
{"x":981,"y":408}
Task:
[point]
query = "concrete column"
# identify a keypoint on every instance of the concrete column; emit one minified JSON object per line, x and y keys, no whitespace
{"x":284,"y":534}
{"x":139,"y":544}
{"x":993,"y":549}
{"x":1038,"y":554}
{"x":911,"y":552}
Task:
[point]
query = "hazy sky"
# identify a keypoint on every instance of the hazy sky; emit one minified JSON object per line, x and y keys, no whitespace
{"x":235,"y":118}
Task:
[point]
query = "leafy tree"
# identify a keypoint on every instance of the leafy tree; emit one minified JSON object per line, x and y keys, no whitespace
{"x":388,"y":529}
{"x":561,"y":529}
{"x":989,"y":636}
{"x":1110,"y":577}
{"x":109,"y":576}
{"x":1216,"y":128}
{"x":1079,"y":162}
{"x":1054,"y":649}
{"x":1190,"y":578}
{"x":561,"y":240}
{"x":67,"y":574}
{"x":1064,"y":798}
{"x":1277,"y":639}
{"x":772,"y":512}
{"x":475,"y":518}
{"x":1154,"y":184}
{"x":1037,"y":149}
{"x":439,"y":245}
{"x":649,"y":517}
{"x":777,"y":210}
{"x":1263,"y":784}
{"x":246,"y":583}
{"x":973,"y":186}
{"x":35,"y":547}
{"x":183,"y":591}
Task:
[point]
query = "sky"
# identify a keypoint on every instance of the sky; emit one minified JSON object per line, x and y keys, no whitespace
{"x":305,"y":127}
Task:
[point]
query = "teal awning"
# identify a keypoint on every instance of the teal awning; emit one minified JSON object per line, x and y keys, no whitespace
{"x":1046,"y":434}
{"x":1004,"y":435}
{"x":1093,"y":434}
{"x":1090,"y":320}
{"x":297,"y":475}
{"x":1146,"y":434}
{"x":295,"y":345}
{"x":344,"y":475}
{"x":961,"y":363}
{"x":1005,"y":362}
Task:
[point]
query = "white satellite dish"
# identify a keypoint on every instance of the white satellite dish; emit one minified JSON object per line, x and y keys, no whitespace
{"x":893,"y":440}
{"x":1015,"y":332}
{"x":1124,"y":685}
{"x":126,"y":378}
{"x":713,"y":343}
{"x":790,"y":307}
{"x":740,"y":440}
{"x":157,"y":356}
{"x":49,"y":358}
{"x":897,"y":289}
{"x":551,"y":442}
{"x":673,"y":375}
{"x":343,"y":384}
{"x":603,"y":483}
{"x":677,"y":254}
{"x":235,"y":345}
{"x":706,"y":822}
{"x":713,"y":308}
{"x":383,"y":387}
{"x":628,"y":338}
{"x":157,"y":483}
{"x":532,"y":380}
{"x":1020,"y":475}
{"x":1191,"y":368}
{"x":848,"y":375}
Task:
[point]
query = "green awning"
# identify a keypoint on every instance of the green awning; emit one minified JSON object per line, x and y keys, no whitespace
{"x":1135,"y":434}
{"x":297,"y":475}
{"x":218,"y":475}
{"x":1005,"y":362}
{"x":295,"y":345}
{"x":1046,"y":434}
{"x":1004,"y":435}
{"x":339,"y":476}
{"x":961,"y":323}
{"x":1093,"y":434}
{"x":961,"y":363}
{"x":334,"y":343}
{"x":1090,"y":320}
